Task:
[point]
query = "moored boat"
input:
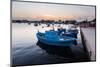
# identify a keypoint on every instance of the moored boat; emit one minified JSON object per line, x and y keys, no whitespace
{"x":56,"y":38}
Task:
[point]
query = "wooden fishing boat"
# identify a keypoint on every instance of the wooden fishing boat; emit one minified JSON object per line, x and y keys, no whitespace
{"x":53,"y":37}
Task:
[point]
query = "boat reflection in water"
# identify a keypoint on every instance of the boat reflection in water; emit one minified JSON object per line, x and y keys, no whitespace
{"x":56,"y":50}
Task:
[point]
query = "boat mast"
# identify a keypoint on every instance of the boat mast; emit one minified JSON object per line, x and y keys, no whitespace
{"x":53,"y":26}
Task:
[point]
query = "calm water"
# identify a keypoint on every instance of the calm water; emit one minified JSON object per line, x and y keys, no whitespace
{"x":26,"y":50}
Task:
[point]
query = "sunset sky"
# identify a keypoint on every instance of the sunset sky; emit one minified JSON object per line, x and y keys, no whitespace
{"x":38,"y":11}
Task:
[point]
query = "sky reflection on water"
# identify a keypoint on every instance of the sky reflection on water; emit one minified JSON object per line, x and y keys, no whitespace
{"x":26,"y":50}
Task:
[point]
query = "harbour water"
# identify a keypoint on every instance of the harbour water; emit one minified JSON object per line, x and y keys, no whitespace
{"x":26,"y":50}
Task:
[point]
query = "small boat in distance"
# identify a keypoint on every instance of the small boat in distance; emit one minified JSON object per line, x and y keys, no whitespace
{"x":57,"y":38}
{"x":35,"y":24}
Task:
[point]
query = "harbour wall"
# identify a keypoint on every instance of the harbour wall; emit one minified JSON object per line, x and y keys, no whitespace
{"x":87,"y":45}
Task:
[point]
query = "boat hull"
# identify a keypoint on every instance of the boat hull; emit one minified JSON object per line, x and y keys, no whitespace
{"x":56,"y":42}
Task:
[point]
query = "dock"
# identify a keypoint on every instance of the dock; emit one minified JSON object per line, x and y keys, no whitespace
{"x":89,"y":37}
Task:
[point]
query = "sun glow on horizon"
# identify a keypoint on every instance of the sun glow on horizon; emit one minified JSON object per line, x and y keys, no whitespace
{"x":38,"y":11}
{"x":49,"y":17}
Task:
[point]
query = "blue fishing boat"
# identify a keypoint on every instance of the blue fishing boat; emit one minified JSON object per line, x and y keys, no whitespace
{"x":69,"y":33}
{"x":55,"y":38}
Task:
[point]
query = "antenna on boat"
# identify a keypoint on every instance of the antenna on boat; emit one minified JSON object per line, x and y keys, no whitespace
{"x":38,"y":30}
{"x":53,"y":26}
